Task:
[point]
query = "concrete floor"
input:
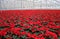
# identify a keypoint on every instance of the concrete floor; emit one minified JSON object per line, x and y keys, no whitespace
{"x":29,"y":4}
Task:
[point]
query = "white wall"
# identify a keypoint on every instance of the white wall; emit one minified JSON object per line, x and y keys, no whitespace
{"x":29,"y":4}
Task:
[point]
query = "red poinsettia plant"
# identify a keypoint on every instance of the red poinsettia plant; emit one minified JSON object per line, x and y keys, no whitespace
{"x":37,"y":26}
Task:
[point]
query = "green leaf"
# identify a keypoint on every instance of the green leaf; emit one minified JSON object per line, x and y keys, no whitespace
{"x":15,"y":37}
{"x":59,"y":37}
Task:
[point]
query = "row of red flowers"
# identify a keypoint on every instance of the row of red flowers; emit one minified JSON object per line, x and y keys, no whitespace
{"x":37,"y":26}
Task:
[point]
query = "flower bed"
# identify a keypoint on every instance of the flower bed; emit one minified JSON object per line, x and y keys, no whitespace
{"x":30,"y":24}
